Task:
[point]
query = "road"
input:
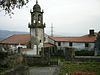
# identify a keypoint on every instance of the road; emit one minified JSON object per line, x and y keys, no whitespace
{"x":43,"y":71}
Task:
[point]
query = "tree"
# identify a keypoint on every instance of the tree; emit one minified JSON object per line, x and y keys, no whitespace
{"x":98,"y":41}
{"x":97,"y":44}
{"x":9,"y":5}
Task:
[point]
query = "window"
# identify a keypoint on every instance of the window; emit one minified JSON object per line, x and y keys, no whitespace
{"x":53,"y":50}
{"x":40,"y":41}
{"x":39,"y":17}
{"x":59,"y":43}
{"x":70,"y":44}
{"x":86,"y":44}
{"x":34,"y":21}
{"x":34,"y":17}
{"x":39,"y":21}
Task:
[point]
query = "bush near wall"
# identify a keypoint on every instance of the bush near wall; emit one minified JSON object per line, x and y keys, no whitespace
{"x":84,"y":53}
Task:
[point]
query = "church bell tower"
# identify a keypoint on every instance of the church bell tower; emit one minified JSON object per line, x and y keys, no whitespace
{"x":37,"y":27}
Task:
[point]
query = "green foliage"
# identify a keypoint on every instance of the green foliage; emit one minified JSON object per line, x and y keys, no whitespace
{"x":9,"y":5}
{"x":3,"y":55}
{"x":87,"y":67}
{"x":3,"y":66}
{"x":97,"y":44}
{"x":84,"y":53}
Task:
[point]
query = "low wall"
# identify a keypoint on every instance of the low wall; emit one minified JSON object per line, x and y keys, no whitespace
{"x":18,"y":70}
{"x":35,"y":60}
{"x":87,"y":58}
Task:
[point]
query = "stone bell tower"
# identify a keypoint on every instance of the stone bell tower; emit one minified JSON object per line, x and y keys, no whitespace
{"x":36,"y":28}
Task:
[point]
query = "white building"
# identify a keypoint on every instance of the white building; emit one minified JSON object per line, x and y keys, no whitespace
{"x":86,"y":42}
{"x":82,"y":42}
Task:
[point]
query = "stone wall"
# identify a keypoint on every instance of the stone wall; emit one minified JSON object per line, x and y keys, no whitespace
{"x":35,"y":60}
{"x":69,"y":53}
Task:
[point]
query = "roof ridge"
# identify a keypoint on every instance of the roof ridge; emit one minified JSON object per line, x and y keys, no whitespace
{"x":16,"y":38}
{"x":21,"y":34}
{"x":7,"y":38}
{"x":66,"y":37}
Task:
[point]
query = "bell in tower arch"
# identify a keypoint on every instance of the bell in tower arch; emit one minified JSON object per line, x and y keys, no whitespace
{"x":39,"y":18}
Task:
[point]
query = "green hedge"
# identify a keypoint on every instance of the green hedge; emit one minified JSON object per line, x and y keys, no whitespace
{"x":84,"y":53}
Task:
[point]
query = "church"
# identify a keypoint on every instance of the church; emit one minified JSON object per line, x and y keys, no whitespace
{"x":34,"y":42}
{"x":36,"y":28}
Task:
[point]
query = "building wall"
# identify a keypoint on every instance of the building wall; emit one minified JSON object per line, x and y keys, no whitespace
{"x":37,"y":32}
{"x":64,"y":44}
{"x":40,"y":34}
{"x":32,"y":32}
{"x":45,"y":38}
{"x":82,"y":46}
{"x":23,"y":46}
{"x":13,"y":47}
{"x":51,"y":41}
{"x":48,"y":40}
{"x":78,"y":46}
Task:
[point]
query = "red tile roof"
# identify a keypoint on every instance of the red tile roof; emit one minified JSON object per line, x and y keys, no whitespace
{"x":48,"y":45}
{"x":86,"y":38}
{"x":24,"y":39}
{"x":16,"y":39}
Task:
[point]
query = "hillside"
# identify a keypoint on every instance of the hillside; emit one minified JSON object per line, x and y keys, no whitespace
{"x":5,"y":33}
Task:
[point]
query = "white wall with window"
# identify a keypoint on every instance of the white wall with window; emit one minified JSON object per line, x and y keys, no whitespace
{"x":78,"y":46}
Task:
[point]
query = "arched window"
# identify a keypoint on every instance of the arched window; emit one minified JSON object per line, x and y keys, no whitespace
{"x":40,"y":41}
{"x":39,"y":18}
{"x":34,"y":19}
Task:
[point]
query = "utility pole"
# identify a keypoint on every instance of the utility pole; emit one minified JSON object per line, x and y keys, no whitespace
{"x":52,"y":29}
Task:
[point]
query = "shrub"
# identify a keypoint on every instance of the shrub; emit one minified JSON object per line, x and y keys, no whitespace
{"x":84,"y":53}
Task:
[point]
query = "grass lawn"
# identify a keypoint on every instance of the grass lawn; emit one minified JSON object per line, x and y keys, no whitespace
{"x":80,"y":68}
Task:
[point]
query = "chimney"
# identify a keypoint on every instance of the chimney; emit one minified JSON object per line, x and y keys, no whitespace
{"x":91,"y":32}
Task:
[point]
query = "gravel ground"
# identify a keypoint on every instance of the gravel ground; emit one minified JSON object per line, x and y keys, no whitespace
{"x":43,"y":71}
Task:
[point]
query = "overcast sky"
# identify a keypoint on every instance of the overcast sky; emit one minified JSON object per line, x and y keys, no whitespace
{"x":69,"y":17}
